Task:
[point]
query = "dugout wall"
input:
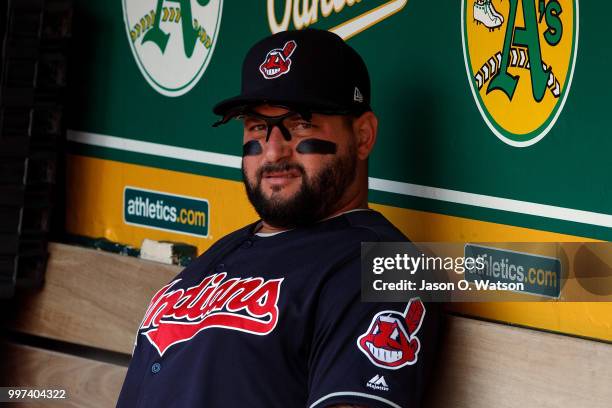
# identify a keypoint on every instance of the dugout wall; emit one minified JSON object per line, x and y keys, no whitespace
{"x":493,"y":123}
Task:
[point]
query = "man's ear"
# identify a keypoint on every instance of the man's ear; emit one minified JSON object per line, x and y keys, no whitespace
{"x":365,"y":129}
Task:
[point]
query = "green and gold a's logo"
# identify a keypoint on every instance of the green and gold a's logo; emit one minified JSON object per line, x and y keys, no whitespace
{"x":172,"y":40}
{"x":520,"y":57}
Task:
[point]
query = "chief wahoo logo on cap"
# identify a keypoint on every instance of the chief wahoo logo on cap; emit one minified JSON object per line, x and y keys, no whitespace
{"x":277,"y":61}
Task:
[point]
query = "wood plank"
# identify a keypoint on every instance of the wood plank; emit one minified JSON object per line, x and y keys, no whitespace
{"x":487,"y":365}
{"x":90,"y":297}
{"x":88,"y":383}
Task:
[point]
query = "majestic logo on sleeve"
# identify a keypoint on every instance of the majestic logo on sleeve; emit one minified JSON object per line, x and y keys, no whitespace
{"x":520,"y":57}
{"x":176,"y":315}
{"x":277,"y":61}
{"x":391,"y":341}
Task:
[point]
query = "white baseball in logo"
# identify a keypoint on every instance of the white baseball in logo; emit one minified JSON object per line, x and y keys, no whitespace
{"x":172,"y":40}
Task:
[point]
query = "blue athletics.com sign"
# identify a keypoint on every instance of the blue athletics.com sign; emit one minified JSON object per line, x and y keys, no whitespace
{"x":168,"y":212}
{"x":540,"y":275}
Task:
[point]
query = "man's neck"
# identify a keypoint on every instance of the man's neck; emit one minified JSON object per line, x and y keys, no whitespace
{"x":267,"y":228}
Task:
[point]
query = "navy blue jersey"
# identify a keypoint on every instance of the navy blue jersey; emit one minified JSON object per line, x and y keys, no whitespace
{"x":277,"y":321}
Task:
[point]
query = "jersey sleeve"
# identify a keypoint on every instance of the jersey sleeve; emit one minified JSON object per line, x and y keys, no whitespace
{"x":369,"y":354}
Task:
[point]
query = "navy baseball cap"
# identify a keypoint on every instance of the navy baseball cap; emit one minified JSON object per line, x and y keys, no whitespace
{"x":309,"y":69}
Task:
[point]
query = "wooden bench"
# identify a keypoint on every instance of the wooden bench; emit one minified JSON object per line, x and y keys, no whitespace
{"x":77,"y":333}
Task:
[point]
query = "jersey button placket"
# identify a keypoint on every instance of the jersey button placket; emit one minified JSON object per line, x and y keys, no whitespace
{"x":247,"y":244}
{"x":155,"y":368}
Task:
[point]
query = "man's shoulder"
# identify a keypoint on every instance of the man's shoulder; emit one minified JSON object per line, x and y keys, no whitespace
{"x":237,"y":235}
{"x":223,"y":245}
{"x":338,"y":240}
{"x":373,"y":226}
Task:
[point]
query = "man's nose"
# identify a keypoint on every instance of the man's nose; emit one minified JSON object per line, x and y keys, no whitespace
{"x":277,"y":148}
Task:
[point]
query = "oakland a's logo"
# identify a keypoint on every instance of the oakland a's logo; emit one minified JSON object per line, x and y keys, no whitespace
{"x":519,"y":56}
{"x":172,"y":40}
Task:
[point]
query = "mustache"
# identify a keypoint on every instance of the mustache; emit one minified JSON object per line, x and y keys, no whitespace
{"x":276,"y":167}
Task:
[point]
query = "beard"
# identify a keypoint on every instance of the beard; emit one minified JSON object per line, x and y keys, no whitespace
{"x":316,"y":199}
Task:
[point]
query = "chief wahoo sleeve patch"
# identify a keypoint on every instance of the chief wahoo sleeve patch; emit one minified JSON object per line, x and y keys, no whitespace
{"x":390,"y":341}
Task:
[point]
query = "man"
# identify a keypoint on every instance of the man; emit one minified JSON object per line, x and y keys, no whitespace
{"x":270,"y":315}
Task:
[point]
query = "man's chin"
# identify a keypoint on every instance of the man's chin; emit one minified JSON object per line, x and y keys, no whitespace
{"x":280,"y":191}
{"x":281,"y":184}
{"x":279,"y":198}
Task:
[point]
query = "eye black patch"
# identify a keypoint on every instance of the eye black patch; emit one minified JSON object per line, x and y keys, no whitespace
{"x":316,"y":146}
{"x":251,"y":148}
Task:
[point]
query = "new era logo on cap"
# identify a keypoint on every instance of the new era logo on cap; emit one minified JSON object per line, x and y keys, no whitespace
{"x":357,"y":96}
{"x":277,"y":61}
